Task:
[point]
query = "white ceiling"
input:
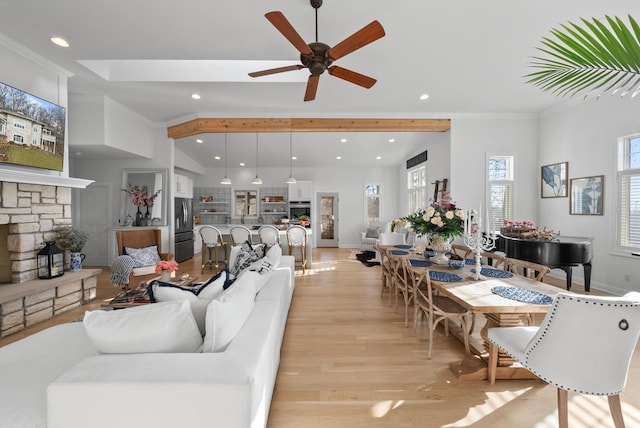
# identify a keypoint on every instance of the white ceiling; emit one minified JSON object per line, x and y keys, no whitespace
{"x":469,"y":56}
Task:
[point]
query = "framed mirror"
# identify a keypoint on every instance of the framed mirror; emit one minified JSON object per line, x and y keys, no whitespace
{"x":144,"y":197}
{"x":245,"y":203}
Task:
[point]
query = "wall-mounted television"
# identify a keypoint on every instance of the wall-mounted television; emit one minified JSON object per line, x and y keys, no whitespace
{"x":31,"y":130}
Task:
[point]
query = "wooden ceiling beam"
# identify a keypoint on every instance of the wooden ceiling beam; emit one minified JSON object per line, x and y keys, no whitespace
{"x":235,"y":125}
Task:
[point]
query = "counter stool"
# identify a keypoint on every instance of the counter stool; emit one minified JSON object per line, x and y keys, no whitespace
{"x":211,"y":244}
{"x":269,"y":235}
{"x":239,"y":235}
{"x":297,"y":238}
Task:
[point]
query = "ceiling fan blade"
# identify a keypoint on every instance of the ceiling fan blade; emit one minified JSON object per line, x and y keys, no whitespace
{"x":352,"y":76}
{"x":367,"y":34}
{"x":312,"y":88}
{"x":276,"y":70}
{"x":284,"y":26}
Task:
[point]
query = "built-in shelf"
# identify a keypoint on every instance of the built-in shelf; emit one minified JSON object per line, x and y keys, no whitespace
{"x":213,"y":213}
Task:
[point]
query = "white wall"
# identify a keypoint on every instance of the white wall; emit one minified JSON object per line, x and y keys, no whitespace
{"x":585,"y":133}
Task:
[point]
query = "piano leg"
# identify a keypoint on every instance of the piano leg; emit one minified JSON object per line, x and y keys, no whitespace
{"x":587,"y":276}
{"x":567,"y":270}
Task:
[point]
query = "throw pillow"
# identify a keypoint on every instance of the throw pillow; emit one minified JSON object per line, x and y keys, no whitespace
{"x":245,"y":257}
{"x":146,"y":256}
{"x":159,"y":327}
{"x":226,"y":316}
{"x":198,"y":296}
{"x":269,"y":262}
{"x":372,"y":232}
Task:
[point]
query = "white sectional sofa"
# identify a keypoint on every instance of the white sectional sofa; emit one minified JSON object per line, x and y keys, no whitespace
{"x":58,"y":379}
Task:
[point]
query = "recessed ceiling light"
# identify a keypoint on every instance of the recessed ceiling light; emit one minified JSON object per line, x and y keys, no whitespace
{"x":195,"y":96}
{"x":60,"y":41}
{"x":199,"y":141}
{"x":217,"y":157}
{"x":338,"y":157}
{"x":424,"y":96}
{"x":378,"y":157}
{"x":294,"y":157}
{"x":344,"y":140}
{"x":78,"y":153}
{"x":242,"y":164}
{"x":392,"y":140}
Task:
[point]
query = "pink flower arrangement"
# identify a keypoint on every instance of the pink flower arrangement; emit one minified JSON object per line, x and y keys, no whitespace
{"x":140,"y":196}
{"x":525,"y":223}
{"x":168,"y":265}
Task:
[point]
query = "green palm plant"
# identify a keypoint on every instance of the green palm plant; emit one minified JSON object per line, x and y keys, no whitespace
{"x":593,"y":58}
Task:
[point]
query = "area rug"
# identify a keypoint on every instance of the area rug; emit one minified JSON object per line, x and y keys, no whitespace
{"x":367,"y":258}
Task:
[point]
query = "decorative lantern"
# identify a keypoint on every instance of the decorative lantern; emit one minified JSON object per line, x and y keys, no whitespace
{"x":50,"y":261}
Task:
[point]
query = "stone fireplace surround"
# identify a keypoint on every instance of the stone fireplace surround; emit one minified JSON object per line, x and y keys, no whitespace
{"x":31,"y":211}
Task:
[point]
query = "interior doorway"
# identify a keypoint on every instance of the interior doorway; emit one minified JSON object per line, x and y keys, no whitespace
{"x":93,"y":208}
{"x":327,"y":222}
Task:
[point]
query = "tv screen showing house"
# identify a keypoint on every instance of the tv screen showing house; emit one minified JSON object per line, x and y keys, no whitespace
{"x":31,"y":130}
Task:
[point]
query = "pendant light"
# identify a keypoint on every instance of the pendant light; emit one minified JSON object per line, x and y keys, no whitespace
{"x":226,"y":179}
{"x":290,"y":180}
{"x":257,"y":180}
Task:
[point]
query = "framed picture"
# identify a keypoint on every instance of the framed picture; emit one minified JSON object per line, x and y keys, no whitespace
{"x":586,"y":195}
{"x":553,"y":180}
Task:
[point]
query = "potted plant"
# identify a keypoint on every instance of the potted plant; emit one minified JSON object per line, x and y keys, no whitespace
{"x":304,"y":220}
{"x":73,"y":240}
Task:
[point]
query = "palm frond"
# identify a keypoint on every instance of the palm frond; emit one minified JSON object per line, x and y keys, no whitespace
{"x":593,"y":57}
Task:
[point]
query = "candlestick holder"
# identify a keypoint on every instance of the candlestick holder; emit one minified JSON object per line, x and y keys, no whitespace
{"x":476,"y":240}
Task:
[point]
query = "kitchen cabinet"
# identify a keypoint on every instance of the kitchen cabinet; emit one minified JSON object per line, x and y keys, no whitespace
{"x":182,"y":186}
{"x":301,"y":191}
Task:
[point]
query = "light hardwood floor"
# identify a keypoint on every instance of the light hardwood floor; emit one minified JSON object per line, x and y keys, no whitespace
{"x":348,"y":361}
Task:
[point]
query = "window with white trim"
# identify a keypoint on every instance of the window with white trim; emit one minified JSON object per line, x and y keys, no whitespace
{"x":628,"y":232}
{"x":500,"y":174}
{"x":18,"y":138}
{"x":417,"y":188}
{"x":372,"y":197}
{"x":18,"y":123}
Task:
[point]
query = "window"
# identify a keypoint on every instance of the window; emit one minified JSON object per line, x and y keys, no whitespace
{"x":18,"y":123}
{"x":629,"y":193}
{"x":372,"y":198}
{"x":18,"y":138}
{"x":417,"y":188}
{"x":35,"y":129}
{"x":500,"y":185}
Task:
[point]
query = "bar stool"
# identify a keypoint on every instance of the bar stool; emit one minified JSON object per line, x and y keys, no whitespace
{"x":269,"y":235}
{"x":297,"y":238}
{"x":240,"y":234}
{"x":211,"y":244}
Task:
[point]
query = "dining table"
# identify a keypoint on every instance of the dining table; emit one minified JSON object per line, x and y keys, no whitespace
{"x":503,"y":298}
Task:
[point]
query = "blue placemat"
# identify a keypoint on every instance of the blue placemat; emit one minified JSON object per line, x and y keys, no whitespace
{"x":399,"y":252}
{"x":522,"y":295}
{"x":438,"y":275}
{"x":420,"y":263}
{"x":494,"y":273}
{"x":406,"y":247}
{"x":471,"y":262}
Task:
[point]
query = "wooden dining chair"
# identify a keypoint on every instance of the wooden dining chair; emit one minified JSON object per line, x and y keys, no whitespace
{"x":401,"y":282}
{"x":386,"y":273}
{"x":461,"y":250}
{"x":438,"y":309}
{"x":593,"y":359}
{"x":526,"y":269}
{"x":496,"y":260}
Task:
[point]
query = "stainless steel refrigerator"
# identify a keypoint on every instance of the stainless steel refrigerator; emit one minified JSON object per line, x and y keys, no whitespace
{"x":184,"y":229}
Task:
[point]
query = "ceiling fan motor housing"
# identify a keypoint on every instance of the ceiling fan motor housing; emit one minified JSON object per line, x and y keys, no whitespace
{"x":318,"y":62}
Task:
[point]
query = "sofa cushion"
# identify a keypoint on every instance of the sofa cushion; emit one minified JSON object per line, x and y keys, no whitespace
{"x":372,"y":232}
{"x":198,"y":296}
{"x":269,"y":262}
{"x":147,"y":256}
{"x":227,"y":314}
{"x":158,"y":327}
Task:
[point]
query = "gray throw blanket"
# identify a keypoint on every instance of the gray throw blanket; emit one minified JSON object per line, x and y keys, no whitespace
{"x":120,"y":270}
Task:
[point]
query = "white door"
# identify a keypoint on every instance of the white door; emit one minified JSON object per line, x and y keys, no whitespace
{"x":326,"y":226}
{"x":93,"y":212}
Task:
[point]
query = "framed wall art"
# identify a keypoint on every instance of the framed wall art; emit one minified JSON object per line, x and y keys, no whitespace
{"x":553,"y":180}
{"x":587,"y":194}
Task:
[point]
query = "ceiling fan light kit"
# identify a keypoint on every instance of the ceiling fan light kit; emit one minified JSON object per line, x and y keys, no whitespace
{"x":317,"y":57}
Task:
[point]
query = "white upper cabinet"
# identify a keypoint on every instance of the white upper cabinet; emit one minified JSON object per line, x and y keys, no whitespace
{"x":301,"y":190}
{"x":182,"y":186}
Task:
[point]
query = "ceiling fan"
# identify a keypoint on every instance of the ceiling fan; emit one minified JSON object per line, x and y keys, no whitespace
{"x":318,"y":57}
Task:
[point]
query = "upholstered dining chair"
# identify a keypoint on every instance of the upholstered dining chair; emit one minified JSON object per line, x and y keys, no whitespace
{"x":239,"y":235}
{"x":592,"y":359}
{"x":269,"y":234}
{"x":212,"y":244}
{"x":437,"y":309}
{"x":526,"y":269}
{"x":297,"y":239}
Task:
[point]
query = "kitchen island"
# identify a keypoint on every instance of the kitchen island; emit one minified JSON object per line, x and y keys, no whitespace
{"x":225,"y":228}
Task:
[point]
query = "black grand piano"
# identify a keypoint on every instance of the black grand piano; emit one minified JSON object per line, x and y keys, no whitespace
{"x":562,"y":252}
